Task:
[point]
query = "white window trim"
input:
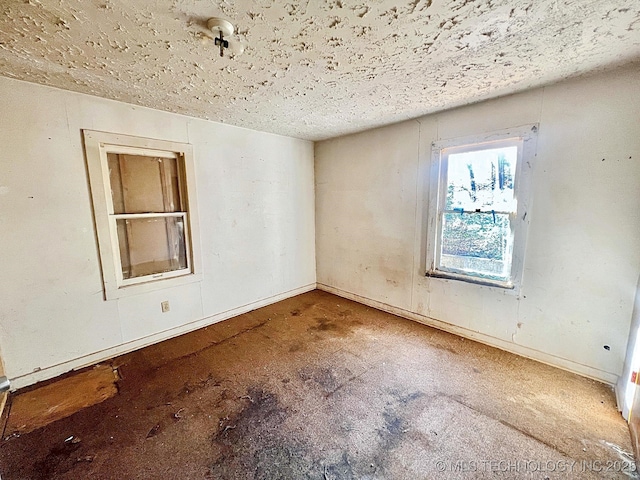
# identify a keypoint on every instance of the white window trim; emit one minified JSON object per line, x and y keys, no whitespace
{"x":525,"y":137}
{"x":97,"y":145}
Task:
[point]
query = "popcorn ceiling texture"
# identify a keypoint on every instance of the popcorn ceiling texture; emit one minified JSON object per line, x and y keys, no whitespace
{"x":314,"y":69}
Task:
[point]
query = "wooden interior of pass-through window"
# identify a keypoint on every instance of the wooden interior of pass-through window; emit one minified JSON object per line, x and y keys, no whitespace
{"x":141,"y":185}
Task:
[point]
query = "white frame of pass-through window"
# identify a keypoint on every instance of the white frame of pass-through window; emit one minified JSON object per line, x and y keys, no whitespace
{"x":524,"y":137}
{"x":97,"y":145}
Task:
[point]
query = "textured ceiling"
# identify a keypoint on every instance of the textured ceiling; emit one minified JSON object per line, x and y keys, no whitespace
{"x":313,"y":69}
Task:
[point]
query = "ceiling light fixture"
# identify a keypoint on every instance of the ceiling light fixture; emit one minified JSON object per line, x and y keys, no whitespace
{"x":223,"y":30}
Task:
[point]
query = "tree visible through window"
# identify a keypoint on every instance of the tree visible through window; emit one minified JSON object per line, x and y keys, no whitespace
{"x":477,"y":237}
{"x":474,"y":209}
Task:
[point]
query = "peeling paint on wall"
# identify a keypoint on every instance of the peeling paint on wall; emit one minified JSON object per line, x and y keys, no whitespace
{"x":312,"y":69}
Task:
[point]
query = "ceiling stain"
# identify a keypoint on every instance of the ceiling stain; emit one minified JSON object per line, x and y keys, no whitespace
{"x":312,"y":69}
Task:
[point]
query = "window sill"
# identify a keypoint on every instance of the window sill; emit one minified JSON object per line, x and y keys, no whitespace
{"x":113,"y":293}
{"x":485,"y":282}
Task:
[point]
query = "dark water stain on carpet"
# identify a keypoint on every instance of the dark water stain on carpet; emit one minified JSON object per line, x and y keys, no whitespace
{"x":324,"y":325}
{"x":261,"y":413}
{"x":296,"y":347}
{"x":258,"y":442}
{"x":342,"y":327}
{"x":396,"y":424}
{"x":59,"y":461}
{"x":255,"y":443}
{"x":324,"y":377}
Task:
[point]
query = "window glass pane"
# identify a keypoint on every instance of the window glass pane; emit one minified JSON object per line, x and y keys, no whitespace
{"x":482,"y":179}
{"x":479,"y":244}
{"x":151,"y":245}
{"x":142,"y":184}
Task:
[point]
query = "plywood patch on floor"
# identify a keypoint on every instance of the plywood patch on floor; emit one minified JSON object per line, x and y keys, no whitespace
{"x":42,"y":406}
{"x":3,"y":402}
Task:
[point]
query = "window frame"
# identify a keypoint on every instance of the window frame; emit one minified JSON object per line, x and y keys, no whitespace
{"x":97,"y":145}
{"x":524,"y":137}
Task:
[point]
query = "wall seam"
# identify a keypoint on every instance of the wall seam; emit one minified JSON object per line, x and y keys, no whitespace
{"x":415,"y":217}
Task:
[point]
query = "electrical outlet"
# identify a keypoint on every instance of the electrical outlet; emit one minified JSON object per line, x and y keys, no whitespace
{"x":165,"y":306}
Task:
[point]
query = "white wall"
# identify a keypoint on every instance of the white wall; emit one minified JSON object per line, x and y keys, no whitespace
{"x":256,"y":206}
{"x":582,"y":257}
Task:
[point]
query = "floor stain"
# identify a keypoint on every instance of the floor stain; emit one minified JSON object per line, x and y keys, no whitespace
{"x":296,"y":347}
{"x":342,"y":469}
{"x":255,"y":443}
{"x":396,"y":424}
{"x":59,"y":460}
{"x":324,"y":325}
{"x":324,"y":377}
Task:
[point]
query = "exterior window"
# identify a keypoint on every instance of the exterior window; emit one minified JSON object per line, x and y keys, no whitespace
{"x":478,"y":205}
{"x":143,"y":193}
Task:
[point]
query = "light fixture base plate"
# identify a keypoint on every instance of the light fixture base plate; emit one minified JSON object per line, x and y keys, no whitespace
{"x":216,"y":24}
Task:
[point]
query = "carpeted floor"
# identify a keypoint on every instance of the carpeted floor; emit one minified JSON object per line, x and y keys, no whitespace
{"x":318,"y":387}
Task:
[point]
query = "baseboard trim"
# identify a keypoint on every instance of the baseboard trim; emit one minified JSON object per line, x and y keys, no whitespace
{"x":93,"y":358}
{"x":554,"y":361}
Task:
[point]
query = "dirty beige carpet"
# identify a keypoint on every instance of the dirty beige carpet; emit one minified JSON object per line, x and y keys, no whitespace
{"x":318,"y":387}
